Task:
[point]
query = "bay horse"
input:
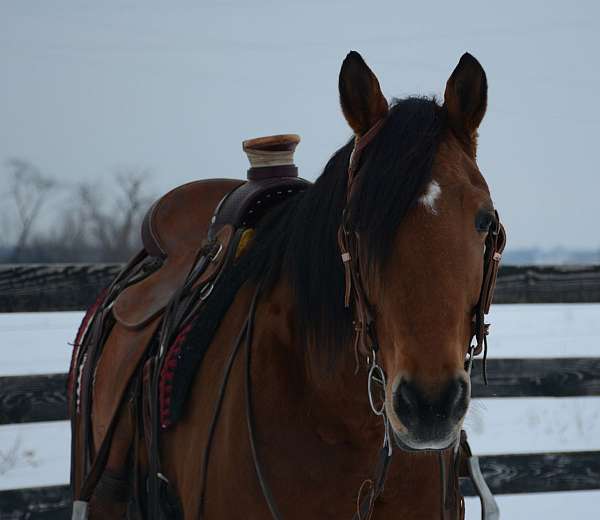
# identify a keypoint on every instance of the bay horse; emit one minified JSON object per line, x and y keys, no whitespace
{"x":362,"y":294}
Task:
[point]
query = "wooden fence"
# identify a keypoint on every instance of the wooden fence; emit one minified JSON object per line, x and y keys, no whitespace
{"x":58,"y":287}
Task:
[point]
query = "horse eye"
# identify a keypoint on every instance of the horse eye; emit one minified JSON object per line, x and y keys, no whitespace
{"x":483,"y":221}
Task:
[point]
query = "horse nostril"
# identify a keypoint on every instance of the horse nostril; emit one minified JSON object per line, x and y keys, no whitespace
{"x":406,"y":402}
{"x":457,"y":397}
{"x":408,"y":394}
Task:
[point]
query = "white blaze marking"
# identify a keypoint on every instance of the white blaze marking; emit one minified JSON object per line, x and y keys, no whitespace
{"x":431,"y":195}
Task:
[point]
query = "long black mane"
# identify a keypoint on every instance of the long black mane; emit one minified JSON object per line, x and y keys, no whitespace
{"x":298,"y":240}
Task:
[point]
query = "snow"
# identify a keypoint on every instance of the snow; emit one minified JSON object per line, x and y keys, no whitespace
{"x":38,"y":454}
{"x":551,"y":330}
{"x":33,"y":455}
{"x":37,"y":342}
{"x":545,"y":330}
{"x":529,"y":425}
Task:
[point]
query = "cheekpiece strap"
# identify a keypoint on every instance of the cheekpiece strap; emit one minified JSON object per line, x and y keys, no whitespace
{"x":348,"y":244}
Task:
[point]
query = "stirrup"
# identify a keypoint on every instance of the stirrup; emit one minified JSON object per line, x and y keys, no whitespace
{"x":489,"y":506}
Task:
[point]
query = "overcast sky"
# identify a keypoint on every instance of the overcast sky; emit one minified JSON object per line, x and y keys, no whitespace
{"x":87,"y":88}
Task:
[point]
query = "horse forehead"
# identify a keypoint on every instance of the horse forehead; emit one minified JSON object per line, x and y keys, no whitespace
{"x":453,"y":171}
{"x":446,"y":170}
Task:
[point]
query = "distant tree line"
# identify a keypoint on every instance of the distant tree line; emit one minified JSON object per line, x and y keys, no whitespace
{"x":44,"y":220}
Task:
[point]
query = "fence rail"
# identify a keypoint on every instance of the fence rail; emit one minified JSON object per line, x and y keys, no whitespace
{"x":35,"y":398}
{"x":505,"y":474}
{"x":27,"y":399}
{"x":72,"y":287}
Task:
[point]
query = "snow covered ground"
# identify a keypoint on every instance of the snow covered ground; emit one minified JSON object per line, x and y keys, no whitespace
{"x":38,"y":454}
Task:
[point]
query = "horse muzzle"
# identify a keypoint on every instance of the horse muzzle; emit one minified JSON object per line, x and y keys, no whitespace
{"x":421,"y":421}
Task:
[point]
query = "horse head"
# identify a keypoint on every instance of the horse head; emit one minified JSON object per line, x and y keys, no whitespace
{"x":421,"y":212}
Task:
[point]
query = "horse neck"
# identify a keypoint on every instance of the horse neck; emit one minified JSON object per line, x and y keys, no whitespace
{"x":333,"y":398}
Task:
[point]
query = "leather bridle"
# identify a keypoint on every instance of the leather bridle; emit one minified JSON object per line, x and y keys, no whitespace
{"x":365,"y":335}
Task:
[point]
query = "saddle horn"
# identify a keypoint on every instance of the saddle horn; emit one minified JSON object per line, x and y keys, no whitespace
{"x":271,"y":156}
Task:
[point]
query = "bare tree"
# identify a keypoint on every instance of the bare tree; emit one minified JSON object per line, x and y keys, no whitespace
{"x":114,"y":225}
{"x":92,"y":222}
{"x":29,"y":190}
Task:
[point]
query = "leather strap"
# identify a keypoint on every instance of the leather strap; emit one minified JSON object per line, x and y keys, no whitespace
{"x":266,"y":172}
{"x":267,"y":493}
{"x":365,"y":505}
{"x":217,"y":411}
{"x":349,"y":247}
{"x":494,"y":246}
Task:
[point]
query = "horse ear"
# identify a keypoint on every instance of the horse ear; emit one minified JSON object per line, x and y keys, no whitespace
{"x":361,"y":99}
{"x":465,"y":98}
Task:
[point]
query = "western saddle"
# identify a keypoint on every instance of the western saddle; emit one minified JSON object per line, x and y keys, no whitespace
{"x":189,"y":237}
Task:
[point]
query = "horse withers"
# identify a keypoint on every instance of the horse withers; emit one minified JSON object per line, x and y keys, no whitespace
{"x":306,"y":352}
